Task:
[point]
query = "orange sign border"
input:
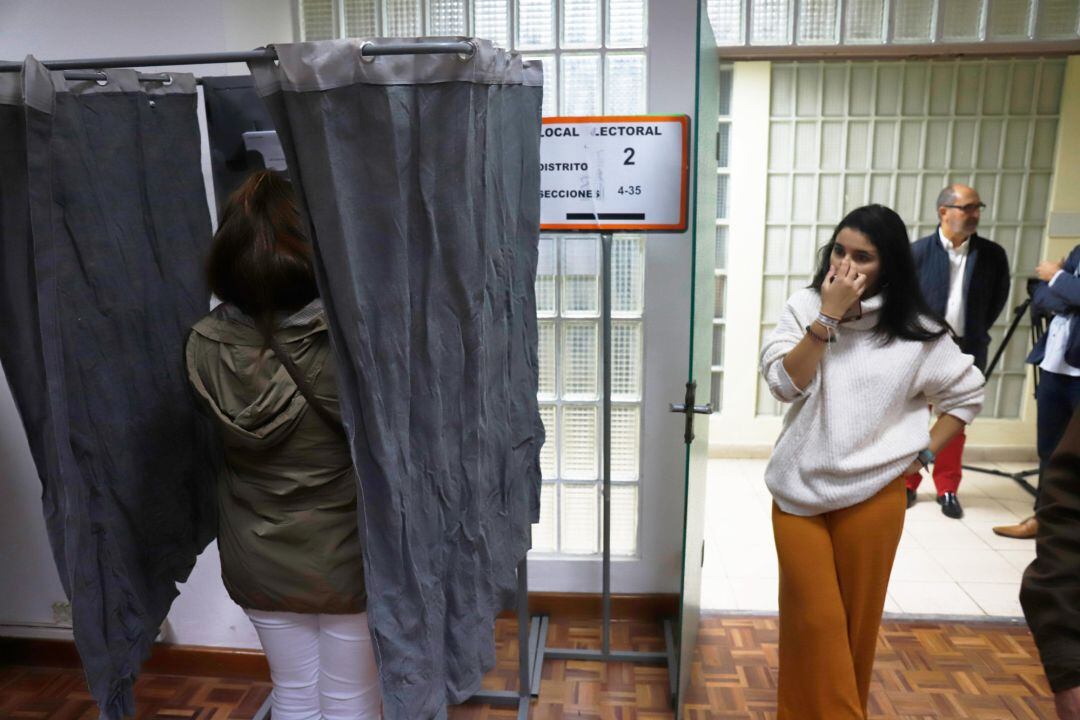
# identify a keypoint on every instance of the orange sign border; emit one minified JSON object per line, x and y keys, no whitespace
{"x":682,"y":225}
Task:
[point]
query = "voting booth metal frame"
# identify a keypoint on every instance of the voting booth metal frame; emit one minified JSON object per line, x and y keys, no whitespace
{"x":607,"y":228}
{"x":89,"y":70}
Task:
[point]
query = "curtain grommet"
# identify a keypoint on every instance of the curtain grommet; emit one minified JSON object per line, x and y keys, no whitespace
{"x":104,"y":79}
{"x":366,"y":58}
{"x":466,"y":57}
{"x":167,"y":81}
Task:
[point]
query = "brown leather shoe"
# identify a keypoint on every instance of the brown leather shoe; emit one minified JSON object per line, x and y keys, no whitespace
{"x":1024,"y":530}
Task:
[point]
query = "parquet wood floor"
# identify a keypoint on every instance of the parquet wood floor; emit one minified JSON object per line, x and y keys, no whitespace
{"x":924,"y":671}
{"x":35,"y":693}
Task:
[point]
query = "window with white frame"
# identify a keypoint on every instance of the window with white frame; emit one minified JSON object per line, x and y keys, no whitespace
{"x":594,"y":56}
{"x":593,"y":50}
{"x":723,"y":196}
{"x":843,"y":134}
{"x":909,"y":22}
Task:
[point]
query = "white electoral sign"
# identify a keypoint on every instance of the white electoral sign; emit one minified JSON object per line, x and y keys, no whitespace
{"x":614,"y":173}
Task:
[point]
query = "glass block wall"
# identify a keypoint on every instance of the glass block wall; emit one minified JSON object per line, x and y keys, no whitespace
{"x":845,"y":134}
{"x":568,"y":304}
{"x":723,"y":197}
{"x":872,"y":22}
{"x":593,"y":50}
{"x":594,"y":55}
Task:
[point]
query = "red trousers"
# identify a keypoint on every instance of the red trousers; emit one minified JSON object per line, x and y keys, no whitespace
{"x":946,"y":467}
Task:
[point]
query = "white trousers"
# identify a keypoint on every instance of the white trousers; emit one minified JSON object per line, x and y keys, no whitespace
{"x":323,"y":666}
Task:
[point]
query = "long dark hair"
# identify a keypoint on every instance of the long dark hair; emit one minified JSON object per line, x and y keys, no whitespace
{"x":260,"y":260}
{"x":904,"y":312}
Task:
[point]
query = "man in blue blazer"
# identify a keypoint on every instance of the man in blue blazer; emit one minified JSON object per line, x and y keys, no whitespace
{"x":1057,"y":355}
{"x":965,"y":279}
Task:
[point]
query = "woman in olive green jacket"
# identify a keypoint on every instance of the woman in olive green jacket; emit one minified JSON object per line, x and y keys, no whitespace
{"x":288,"y":536}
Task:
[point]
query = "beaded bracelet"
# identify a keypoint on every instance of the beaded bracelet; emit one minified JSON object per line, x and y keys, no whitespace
{"x":828,"y":321}
{"x":824,"y":340}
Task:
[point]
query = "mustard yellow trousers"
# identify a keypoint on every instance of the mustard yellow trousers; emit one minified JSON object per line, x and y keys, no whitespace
{"x":834,"y":572}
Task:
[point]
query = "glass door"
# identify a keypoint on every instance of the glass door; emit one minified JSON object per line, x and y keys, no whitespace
{"x":699,"y":366}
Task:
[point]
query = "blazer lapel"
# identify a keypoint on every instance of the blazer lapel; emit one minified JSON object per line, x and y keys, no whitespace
{"x":937,"y":274}
{"x":973,"y":299}
{"x":969,"y":269}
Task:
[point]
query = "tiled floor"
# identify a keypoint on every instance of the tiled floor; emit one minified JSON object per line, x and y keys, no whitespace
{"x":943,"y":567}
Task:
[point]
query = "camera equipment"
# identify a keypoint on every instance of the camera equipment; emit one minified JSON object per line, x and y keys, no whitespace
{"x":1038,"y":328}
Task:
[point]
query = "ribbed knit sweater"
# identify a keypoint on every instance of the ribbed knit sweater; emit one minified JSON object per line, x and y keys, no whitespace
{"x":864,"y":417}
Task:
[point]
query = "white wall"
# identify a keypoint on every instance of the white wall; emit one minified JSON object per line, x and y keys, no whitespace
{"x":1064,"y":199}
{"x":49,"y":30}
{"x":27,"y":572}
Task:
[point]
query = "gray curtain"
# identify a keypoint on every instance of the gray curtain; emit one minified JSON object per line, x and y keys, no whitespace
{"x":103,"y":227}
{"x":420,"y":177}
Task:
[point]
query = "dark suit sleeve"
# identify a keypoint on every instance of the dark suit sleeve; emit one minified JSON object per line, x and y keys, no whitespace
{"x":1001,"y":287}
{"x":1045,"y":302}
{"x":1072,"y":261}
{"x":1050,"y":591}
{"x":1067,"y":287}
{"x":918,"y":249}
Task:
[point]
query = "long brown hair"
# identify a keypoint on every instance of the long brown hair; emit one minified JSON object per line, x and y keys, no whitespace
{"x":260,"y":260}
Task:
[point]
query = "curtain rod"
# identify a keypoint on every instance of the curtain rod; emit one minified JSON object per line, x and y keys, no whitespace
{"x":367,"y":49}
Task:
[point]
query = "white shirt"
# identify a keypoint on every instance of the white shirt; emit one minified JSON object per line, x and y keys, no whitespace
{"x":1057,"y":341}
{"x":957,"y":304}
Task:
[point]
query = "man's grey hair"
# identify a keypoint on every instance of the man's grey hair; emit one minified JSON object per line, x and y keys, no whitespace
{"x":947,"y":196}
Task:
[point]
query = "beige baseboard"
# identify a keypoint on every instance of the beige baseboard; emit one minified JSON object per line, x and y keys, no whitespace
{"x":740,"y":452}
{"x":1001,"y":453}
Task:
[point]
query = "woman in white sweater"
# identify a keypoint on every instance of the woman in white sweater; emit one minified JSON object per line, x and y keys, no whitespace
{"x":860,"y":357}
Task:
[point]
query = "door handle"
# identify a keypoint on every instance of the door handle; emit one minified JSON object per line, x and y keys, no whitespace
{"x":697,"y":409}
{"x":689,"y":409}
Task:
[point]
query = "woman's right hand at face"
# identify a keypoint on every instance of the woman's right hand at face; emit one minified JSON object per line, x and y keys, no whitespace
{"x":841,"y":289}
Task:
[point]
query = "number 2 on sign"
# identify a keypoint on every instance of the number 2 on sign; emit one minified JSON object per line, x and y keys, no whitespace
{"x":629,"y":190}
{"x":629,"y":156}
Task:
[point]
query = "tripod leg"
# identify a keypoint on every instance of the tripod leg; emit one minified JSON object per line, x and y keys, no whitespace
{"x":1018,"y":315}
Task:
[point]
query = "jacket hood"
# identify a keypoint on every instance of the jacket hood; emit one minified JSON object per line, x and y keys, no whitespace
{"x":240,"y":381}
{"x":228,"y":324}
